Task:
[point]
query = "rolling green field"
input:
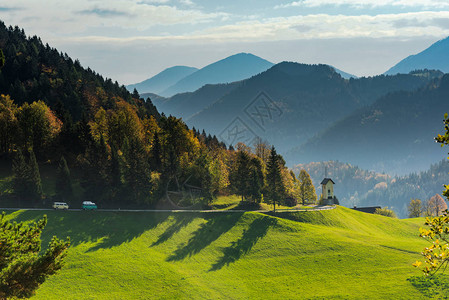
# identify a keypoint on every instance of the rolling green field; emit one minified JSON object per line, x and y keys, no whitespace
{"x":336,"y":254}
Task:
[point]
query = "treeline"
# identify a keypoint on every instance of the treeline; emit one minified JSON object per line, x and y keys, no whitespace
{"x":34,"y":71}
{"x":355,"y":186}
{"x":124,"y":160}
{"x":398,"y":192}
{"x":112,"y":147}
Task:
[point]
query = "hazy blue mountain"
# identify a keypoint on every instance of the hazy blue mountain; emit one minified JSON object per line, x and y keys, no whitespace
{"x":344,"y":74}
{"x":435,"y":57}
{"x":163,"y":80}
{"x":233,"y":68}
{"x":185,"y":105}
{"x":291,"y":102}
{"x":395,"y":134}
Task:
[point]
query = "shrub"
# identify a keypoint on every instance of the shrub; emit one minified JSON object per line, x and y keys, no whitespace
{"x":385,"y":212}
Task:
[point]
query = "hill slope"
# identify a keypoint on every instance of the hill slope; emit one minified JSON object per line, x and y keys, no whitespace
{"x":395,"y":134}
{"x":34,"y":71}
{"x":331,"y":254}
{"x":163,"y":80}
{"x":435,"y":57}
{"x":233,"y":68}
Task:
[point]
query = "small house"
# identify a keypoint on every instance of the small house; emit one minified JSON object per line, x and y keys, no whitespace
{"x":327,"y":192}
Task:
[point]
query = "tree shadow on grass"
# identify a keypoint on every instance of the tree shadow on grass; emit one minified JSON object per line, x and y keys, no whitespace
{"x":215,"y":226}
{"x":256,"y":230}
{"x":181,"y":220}
{"x":435,"y":287}
{"x":107,"y":229}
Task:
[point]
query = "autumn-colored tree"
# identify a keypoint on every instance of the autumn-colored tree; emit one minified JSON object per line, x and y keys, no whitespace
{"x":23,"y":267}
{"x":219,"y":172}
{"x":435,"y":206}
{"x":38,"y":126}
{"x":262,"y":150}
{"x":415,"y":208}
{"x":436,"y":256}
{"x":385,"y":211}
{"x":8,"y":123}
{"x":307,"y":192}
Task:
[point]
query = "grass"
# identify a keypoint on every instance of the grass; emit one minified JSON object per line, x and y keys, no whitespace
{"x":336,"y":254}
{"x":233,"y":202}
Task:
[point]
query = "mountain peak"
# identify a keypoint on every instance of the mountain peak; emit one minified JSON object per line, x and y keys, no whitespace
{"x":162,"y":80}
{"x":434,"y":57}
{"x":230,"y":69}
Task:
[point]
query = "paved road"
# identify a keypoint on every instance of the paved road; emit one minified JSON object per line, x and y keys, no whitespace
{"x":317,"y":208}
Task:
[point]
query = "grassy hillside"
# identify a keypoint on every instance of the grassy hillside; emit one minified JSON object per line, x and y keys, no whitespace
{"x":335,"y":254}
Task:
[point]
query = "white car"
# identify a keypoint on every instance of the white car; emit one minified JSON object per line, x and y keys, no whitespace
{"x":60,"y":205}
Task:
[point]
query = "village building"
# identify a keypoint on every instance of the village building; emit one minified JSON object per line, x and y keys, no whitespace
{"x":327,"y":192}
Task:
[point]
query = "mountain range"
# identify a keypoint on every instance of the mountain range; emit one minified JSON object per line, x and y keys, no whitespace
{"x":434,"y":57}
{"x":288,"y":105}
{"x":395,"y":133}
{"x":181,"y":79}
{"x":162,"y":81}
{"x":230,"y":69}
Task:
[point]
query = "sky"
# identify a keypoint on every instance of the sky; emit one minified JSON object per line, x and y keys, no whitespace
{"x":130,"y":41}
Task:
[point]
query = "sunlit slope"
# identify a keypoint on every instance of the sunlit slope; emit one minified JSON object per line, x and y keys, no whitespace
{"x":331,"y":254}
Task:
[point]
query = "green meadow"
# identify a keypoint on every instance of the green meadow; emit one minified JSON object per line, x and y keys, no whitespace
{"x":335,"y":254}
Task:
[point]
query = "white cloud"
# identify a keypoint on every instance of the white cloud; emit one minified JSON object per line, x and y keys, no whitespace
{"x":62,"y":18}
{"x":187,"y":2}
{"x":319,"y":26}
{"x":368,"y":3}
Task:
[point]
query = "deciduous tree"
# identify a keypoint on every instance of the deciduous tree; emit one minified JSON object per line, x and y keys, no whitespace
{"x":415,"y":208}
{"x":435,"y":206}
{"x":307,"y":192}
{"x":436,"y":256}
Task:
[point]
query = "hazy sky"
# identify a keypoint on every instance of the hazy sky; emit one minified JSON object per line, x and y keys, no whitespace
{"x":130,"y":41}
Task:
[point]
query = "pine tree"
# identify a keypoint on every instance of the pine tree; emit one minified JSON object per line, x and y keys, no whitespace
{"x":2,"y":59}
{"x":137,"y":173}
{"x":34,"y":178}
{"x":63,"y":181}
{"x":256,"y":179}
{"x":22,"y":267}
{"x":21,"y":173}
{"x":307,"y":192}
{"x":241,"y":175}
{"x":155,"y":154}
{"x":275,"y":185}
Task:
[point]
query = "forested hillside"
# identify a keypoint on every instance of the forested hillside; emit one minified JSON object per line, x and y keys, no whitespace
{"x":395,"y":134}
{"x":356,"y":186}
{"x":69,"y":134}
{"x":34,"y":71}
{"x":287,"y":104}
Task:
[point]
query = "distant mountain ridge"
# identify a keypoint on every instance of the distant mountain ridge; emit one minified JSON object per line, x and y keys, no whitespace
{"x":303,"y":100}
{"x":233,"y":68}
{"x":394,"y":134}
{"x":435,"y":57}
{"x":163,"y":80}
